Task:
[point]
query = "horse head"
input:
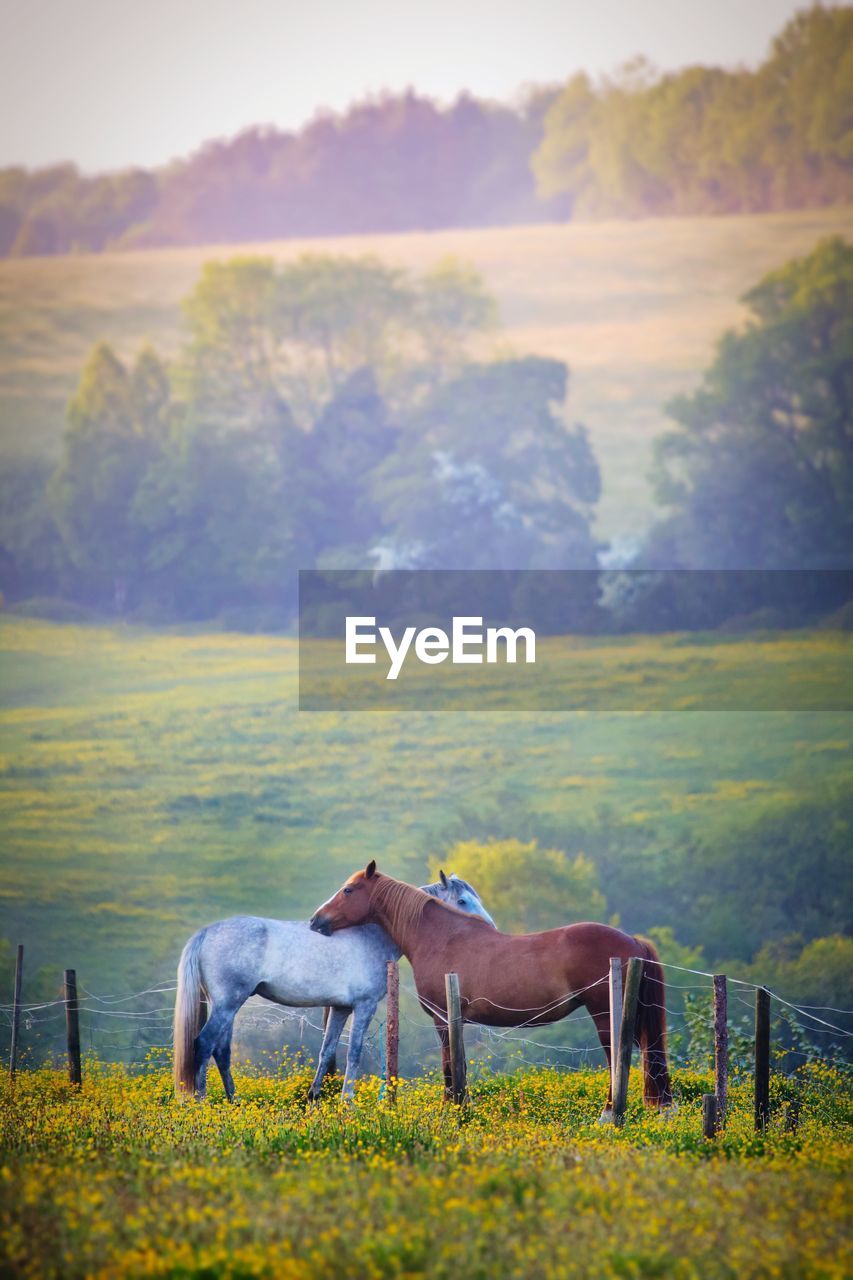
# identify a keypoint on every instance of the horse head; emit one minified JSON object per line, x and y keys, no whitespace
{"x":459,"y":893}
{"x":350,"y":905}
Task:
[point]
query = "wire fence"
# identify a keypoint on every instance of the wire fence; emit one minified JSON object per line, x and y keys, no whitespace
{"x":115,"y":1028}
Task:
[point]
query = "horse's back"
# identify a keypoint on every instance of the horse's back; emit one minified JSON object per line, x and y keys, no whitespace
{"x":537,"y":977}
{"x":285,"y":961}
{"x":592,"y":933}
{"x":231,"y":956}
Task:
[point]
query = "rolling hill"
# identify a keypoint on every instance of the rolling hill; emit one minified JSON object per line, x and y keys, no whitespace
{"x":633,"y":307}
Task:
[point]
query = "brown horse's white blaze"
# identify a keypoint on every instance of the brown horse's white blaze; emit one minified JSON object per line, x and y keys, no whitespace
{"x":507,"y":980}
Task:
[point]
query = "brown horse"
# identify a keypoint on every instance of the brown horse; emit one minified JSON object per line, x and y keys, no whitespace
{"x":507,"y":980}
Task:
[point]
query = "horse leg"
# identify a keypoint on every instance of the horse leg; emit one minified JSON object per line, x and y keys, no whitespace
{"x":222,"y":1053}
{"x":444,"y":1040}
{"x":335,"y":1024}
{"x":327,"y":1013}
{"x":206,"y":1041}
{"x":362,"y":1013}
{"x":600,"y":1014}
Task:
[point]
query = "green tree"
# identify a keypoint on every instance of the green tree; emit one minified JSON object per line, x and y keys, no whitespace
{"x":706,"y":140}
{"x":338,"y":315}
{"x":10,"y":225}
{"x":561,"y":162}
{"x":227,"y":521}
{"x":759,"y":471}
{"x":452,"y":303}
{"x":264,"y":337}
{"x":817,"y":972}
{"x":198,"y":490}
{"x":38,"y":236}
{"x":350,"y":439}
{"x":524,"y":887}
{"x":804,"y":90}
{"x":116,"y":428}
{"x":231,"y":371}
{"x":490,"y":476}
{"x":32,"y":557}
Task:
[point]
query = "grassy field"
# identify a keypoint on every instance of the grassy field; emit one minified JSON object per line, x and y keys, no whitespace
{"x":634,"y":307}
{"x":152,"y":782}
{"x":118,"y":1180}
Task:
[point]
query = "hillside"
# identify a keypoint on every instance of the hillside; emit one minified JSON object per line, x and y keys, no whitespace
{"x":153,"y":782}
{"x":633,"y":307}
{"x":638,"y":142}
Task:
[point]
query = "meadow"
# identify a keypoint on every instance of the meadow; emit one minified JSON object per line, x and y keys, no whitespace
{"x":152,"y":782}
{"x":117,"y":1179}
{"x":633,"y":307}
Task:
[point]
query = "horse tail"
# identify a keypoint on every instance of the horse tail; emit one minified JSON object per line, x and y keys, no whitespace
{"x":651,"y":1028}
{"x":189,"y":1012}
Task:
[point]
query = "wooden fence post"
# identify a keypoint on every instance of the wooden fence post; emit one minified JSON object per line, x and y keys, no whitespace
{"x":627,"y":1027}
{"x":762,"y":1057}
{"x":392,"y":1030}
{"x":72,"y":1027}
{"x":721,"y":1047}
{"x":709,"y":1115}
{"x":16,"y":1011}
{"x":615,"y":1017}
{"x":458,"y":1071}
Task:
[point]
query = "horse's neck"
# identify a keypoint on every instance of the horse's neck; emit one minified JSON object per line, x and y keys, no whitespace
{"x":406,"y":928}
{"x":412,"y":935}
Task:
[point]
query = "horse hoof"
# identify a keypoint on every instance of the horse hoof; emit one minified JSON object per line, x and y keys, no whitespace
{"x":606,"y":1116}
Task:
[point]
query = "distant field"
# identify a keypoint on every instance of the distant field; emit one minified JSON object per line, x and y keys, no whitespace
{"x":152,"y":782}
{"x":634,"y":307}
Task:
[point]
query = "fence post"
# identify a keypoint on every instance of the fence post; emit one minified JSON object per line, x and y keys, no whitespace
{"x":721,"y":1047}
{"x":392,"y":1030}
{"x":72,"y":1027}
{"x":615,"y":1017}
{"x":627,"y":1027}
{"x":16,"y":1011}
{"x":458,"y":1073}
{"x":709,"y":1115}
{"x":762,"y":1057}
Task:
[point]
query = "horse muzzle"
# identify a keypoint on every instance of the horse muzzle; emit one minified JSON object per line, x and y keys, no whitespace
{"x":320,"y":924}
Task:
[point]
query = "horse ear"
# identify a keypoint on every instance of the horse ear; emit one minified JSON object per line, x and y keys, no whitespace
{"x":443,"y":879}
{"x":370,"y":869}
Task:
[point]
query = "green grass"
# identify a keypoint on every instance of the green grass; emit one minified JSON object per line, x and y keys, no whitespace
{"x":634,"y":307}
{"x":152,"y":782}
{"x":117,"y":1179}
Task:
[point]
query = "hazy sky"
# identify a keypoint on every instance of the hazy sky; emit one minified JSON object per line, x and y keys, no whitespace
{"x":109,"y":83}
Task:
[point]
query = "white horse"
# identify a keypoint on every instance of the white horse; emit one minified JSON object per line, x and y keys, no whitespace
{"x":284,"y":961}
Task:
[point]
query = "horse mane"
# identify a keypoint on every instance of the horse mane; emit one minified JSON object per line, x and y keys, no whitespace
{"x":402,"y":904}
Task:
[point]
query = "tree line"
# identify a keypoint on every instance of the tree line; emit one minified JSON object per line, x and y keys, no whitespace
{"x":639,"y":143}
{"x":704,"y":140}
{"x":336,"y":413}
